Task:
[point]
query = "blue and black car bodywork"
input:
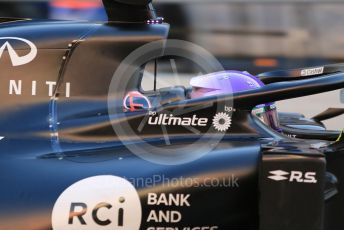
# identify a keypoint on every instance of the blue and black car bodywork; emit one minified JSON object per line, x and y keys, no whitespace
{"x":67,"y":161}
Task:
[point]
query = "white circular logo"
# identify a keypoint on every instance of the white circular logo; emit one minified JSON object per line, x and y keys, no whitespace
{"x":222,"y":122}
{"x":100,"y":202}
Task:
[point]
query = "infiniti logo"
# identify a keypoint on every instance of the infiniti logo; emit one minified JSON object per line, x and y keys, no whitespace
{"x":15,"y":58}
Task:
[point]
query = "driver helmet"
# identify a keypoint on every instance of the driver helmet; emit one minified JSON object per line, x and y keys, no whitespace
{"x":233,"y":82}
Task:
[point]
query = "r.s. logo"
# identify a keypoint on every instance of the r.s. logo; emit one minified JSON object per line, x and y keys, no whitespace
{"x":15,"y":58}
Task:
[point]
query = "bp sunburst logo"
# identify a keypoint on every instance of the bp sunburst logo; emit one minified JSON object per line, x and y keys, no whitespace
{"x":222,"y":122}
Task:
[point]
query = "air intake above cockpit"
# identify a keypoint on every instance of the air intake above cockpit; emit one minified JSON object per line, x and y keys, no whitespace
{"x":132,"y":11}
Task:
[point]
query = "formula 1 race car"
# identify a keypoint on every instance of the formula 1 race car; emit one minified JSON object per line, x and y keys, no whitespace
{"x":82,"y":146}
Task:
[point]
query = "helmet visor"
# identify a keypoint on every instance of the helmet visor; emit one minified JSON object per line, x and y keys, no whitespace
{"x":268,"y":115}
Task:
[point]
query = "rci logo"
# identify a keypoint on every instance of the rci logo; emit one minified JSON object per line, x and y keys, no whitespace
{"x":15,"y":58}
{"x":101,"y":202}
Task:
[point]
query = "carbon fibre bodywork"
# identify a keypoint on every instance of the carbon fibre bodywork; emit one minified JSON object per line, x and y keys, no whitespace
{"x":57,"y":130}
